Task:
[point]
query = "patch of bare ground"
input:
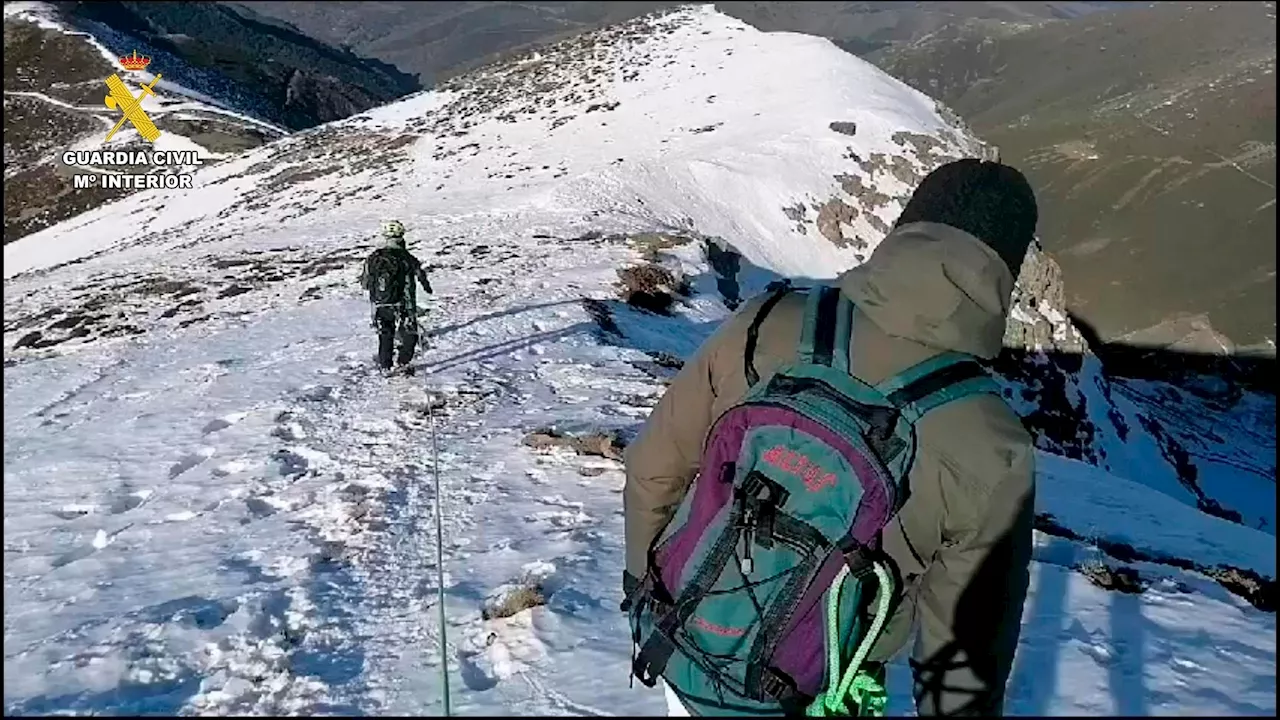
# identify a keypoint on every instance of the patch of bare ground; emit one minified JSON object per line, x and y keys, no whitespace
{"x":41,"y":196}
{"x":116,"y":305}
{"x":1255,"y":589}
{"x":603,"y":445}
{"x":651,"y":287}
{"x":652,"y":244}
{"x":1119,"y":578}
{"x":510,"y":601}
{"x":35,"y":128}
{"x":40,"y":58}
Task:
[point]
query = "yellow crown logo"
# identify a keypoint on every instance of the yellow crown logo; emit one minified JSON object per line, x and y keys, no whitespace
{"x":135,"y":61}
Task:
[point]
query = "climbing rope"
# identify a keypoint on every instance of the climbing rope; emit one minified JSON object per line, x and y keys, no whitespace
{"x":444,"y":625}
{"x":865,"y":690}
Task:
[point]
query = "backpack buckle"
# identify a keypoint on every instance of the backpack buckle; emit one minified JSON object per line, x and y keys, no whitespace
{"x":858,"y":557}
{"x":760,"y":497}
{"x":774,"y":684}
{"x":651,"y":661}
{"x":880,"y":436}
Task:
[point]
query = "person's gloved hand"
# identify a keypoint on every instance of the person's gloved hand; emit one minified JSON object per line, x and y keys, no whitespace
{"x":630,"y":585}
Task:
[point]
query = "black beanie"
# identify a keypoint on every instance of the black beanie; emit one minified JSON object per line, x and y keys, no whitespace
{"x":990,"y":201}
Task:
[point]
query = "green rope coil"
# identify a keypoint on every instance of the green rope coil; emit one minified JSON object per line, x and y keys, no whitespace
{"x":866,"y":690}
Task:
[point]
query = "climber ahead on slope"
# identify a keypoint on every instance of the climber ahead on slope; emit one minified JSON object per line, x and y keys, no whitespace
{"x":834,"y":471}
{"x":391,"y":275}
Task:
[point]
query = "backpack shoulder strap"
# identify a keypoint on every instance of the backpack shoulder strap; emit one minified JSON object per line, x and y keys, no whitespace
{"x":828,"y":327}
{"x":777,"y":290}
{"x":934,"y":382}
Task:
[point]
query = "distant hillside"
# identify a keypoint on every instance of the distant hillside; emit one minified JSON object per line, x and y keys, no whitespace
{"x":439,"y":39}
{"x":264,"y":68}
{"x":53,"y":101}
{"x":1150,"y":135}
{"x":229,"y":84}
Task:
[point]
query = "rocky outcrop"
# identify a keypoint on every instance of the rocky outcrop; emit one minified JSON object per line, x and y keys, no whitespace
{"x":1053,"y":377}
{"x":1038,"y":319}
{"x":1075,"y":408}
{"x":312,"y":98}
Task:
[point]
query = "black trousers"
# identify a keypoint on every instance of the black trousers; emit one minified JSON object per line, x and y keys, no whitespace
{"x":394,"y":321}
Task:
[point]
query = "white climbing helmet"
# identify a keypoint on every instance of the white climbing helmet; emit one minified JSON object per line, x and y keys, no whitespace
{"x":392,"y":229}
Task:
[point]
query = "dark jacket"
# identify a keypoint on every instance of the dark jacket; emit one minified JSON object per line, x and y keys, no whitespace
{"x":408,"y":266}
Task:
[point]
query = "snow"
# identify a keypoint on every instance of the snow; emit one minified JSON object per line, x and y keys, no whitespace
{"x":1233,"y":464}
{"x":204,"y":103}
{"x":231,"y":514}
{"x":1180,"y":648}
{"x":669,"y":174}
{"x":1106,"y":507}
{"x":1187,"y":445}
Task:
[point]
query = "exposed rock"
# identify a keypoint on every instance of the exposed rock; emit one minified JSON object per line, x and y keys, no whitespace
{"x":831,"y":215}
{"x":666,"y":360}
{"x":726,"y":263}
{"x":1121,"y":579}
{"x":1259,"y":591}
{"x":598,"y":444}
{"x":651,"y":287}
{"x":602,"y":315}
{"x":1038,"y":317}
{"x":102,"y":307}
{"x":310,"y":97}
{"x":866,"y":195}
{"x":844,"y":128}
{"x":652,"y":244}
{"x":510,"y":600}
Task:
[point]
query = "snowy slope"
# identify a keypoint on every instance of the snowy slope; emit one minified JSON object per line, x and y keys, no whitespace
{"x":211,"y":504}
{"x":1214,"y":453}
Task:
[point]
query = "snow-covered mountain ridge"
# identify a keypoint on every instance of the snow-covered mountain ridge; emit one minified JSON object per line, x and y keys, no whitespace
{"x":212,"y":505}
{"x":628,"y":129}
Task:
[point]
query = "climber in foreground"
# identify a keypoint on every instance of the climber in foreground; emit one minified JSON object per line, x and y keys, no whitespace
{"x":862,"y":480}
{"x":389,"y":275}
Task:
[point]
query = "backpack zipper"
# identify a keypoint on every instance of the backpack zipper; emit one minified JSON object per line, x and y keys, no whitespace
{"x":748,"y":539}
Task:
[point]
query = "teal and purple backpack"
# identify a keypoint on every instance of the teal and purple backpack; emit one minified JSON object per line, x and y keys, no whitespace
{"x":767,"y":589}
